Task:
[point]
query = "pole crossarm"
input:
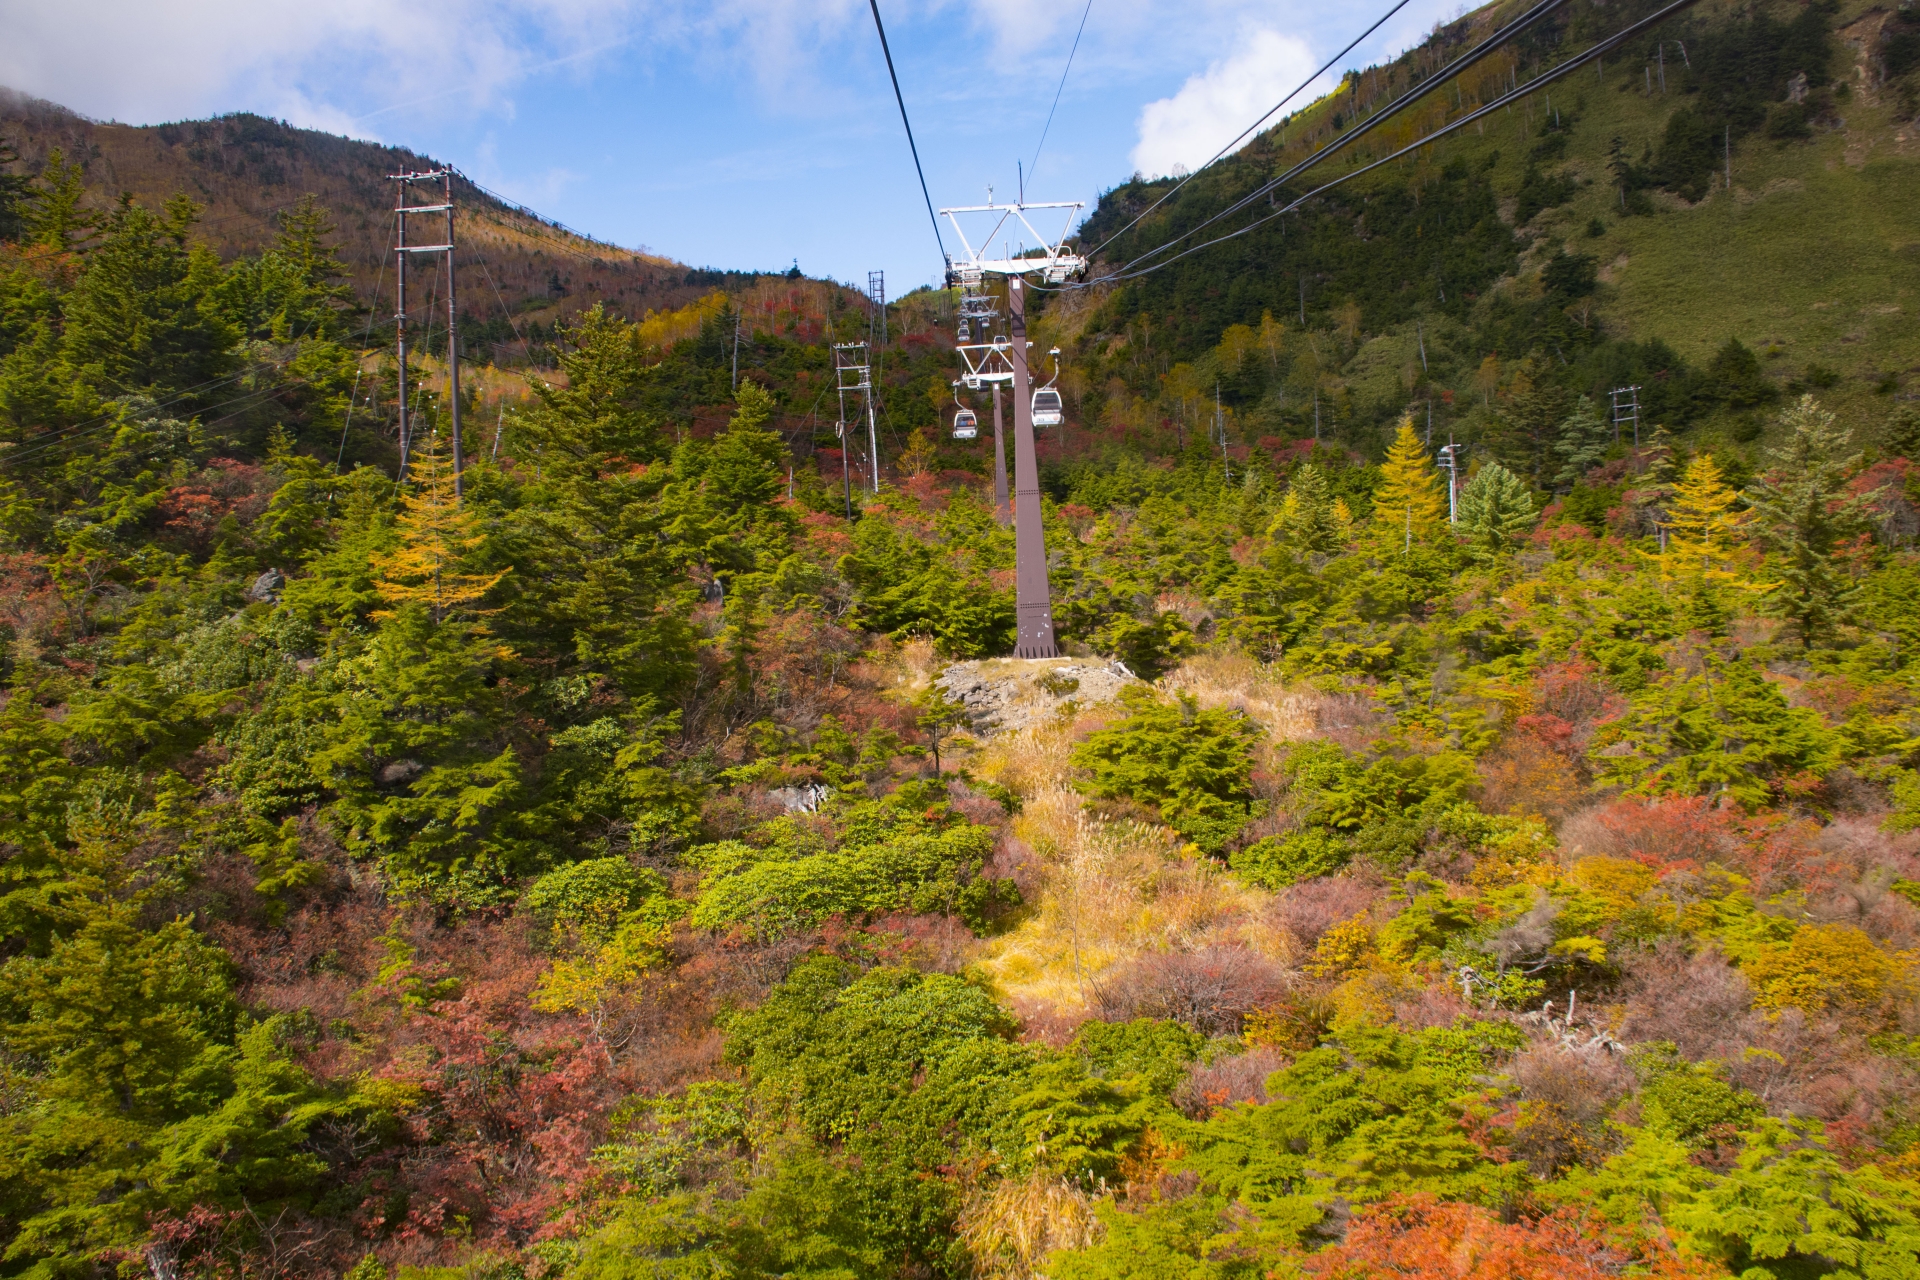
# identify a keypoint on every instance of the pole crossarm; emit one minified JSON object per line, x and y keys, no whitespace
{"x":987,"y":363}
{"x":1055,"y":265}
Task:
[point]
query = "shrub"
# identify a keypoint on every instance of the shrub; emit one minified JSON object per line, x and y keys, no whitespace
{"x":1195,"y":766}
{"x":1822,"y":964}
{"x":1211,"y":990}
{"x":592,"y":896}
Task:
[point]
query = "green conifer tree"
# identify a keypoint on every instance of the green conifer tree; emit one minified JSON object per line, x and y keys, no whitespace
{"x":1802,"y":512}
{"x":55,"y":215}
{"x":15,"y":189}
{"x":143,"y":316}
{"x":1580,"y":443}
{"x":1496,"y":510}
{"x":1307,"y":520}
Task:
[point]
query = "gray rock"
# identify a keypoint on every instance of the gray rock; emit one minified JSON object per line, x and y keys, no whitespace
{"x":1005,"y":695}
{"x":803,"y":799}
{"x":267,"y":586}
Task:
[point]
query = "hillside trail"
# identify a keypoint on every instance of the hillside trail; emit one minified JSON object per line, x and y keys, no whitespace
{"x":1105,"y":889}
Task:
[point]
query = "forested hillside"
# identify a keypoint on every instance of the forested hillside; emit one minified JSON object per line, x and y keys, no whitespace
{"x":601,"y":873}
{"x":517,"y":272}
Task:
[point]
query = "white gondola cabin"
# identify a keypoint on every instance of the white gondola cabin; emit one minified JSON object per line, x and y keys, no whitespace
{"x":1047,"y":410}
{"x":965,"y":425}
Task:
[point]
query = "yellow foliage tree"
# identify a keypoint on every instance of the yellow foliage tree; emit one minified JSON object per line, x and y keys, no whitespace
{"x":1272,"y":334}
{"x":1408,"y":504}
{"x":918,"y":455}
{"x":437,"y":535}
{"x":1822,"y":964}
{"x":1702,"y":528}
{"x":1235,"y":344}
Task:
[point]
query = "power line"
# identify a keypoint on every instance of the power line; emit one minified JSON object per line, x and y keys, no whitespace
{"x":1567,"y":68}
{"x":1047,"y":128}
{"x":899,"y":98}
{"x":346,"y":424}
{"x":1300,"y":88}
{"x":1453,"y":71}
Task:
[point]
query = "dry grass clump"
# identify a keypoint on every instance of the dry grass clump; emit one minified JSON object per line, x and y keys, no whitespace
{"x":1229,"y":678}
{"x":1108,"y":892}
{"x":1011,"y":1229}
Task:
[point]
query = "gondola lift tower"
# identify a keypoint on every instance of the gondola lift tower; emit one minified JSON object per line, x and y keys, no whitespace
{"x":1001,"y":360}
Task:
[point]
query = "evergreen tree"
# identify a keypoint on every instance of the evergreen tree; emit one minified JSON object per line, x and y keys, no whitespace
{"x":55,"y":216}
{"x":1901,"y":436}
{"x":1524,"y":428}
{"x":14,"y":191}
{"x":1409,"y":505}
{"x":303,"y":242}
{"x":1496,"y":510}
{"x":1307,"y":520}
{"x":1801,"y":512}
{"x":143,"y":316}
{"x":1654,"y":491}
{"x":1580,"y":444}
{"x":601,"y":586}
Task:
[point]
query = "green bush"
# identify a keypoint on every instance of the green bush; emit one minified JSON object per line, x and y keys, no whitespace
{"x":888,"y":856}
{"x":1195,"y":766}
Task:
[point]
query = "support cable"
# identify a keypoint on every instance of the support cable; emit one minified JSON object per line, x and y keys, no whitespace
{"x":1045,"y":129}
{"x":1508,"y":99}
{"x":908,"y":124}
{"x":1250,"y":129}
{"x":1458,"y":67}
{"x":373,"y":305}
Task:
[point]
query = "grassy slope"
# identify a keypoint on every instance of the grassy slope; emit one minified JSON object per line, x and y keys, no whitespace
{"x":1815,"y":258}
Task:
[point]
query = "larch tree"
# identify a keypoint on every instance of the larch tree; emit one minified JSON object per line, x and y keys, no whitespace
{"x":1408,"y":504}
{"x":1802,"y":512}
{"x":1703,"y":528}
{"x":438,"y":537}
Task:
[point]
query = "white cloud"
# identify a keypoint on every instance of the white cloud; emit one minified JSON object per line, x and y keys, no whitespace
{"x":366,"y":66}
{"x":1215,"y":105}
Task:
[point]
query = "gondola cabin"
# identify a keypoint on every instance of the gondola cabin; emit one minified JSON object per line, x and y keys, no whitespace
{"x":965,"y":425}
{"x":1047,"y":411}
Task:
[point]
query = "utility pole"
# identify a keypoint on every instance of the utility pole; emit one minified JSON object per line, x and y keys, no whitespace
{"x":1220,"y":430}
{"x":402,"y":211}
{"x":1626,"y":408}
{"x":736,"y":351}
{"x":851,"y":372}
{"x":1450,"y":459}
{"x":400,"y":321}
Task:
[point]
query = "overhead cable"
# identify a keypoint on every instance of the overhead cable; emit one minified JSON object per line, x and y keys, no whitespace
{"x":1252,"y":128}
{"x":1453,"y":70}
{"x":1505,"y":100}
{"x":1046,"y":128}
{"x":899,"y":98}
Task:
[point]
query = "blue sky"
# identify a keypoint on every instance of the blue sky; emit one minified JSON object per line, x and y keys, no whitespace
{"x":736,"y":133}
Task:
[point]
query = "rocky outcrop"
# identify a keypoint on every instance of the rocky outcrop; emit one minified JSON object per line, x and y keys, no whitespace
{"x":1004,"y":695}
